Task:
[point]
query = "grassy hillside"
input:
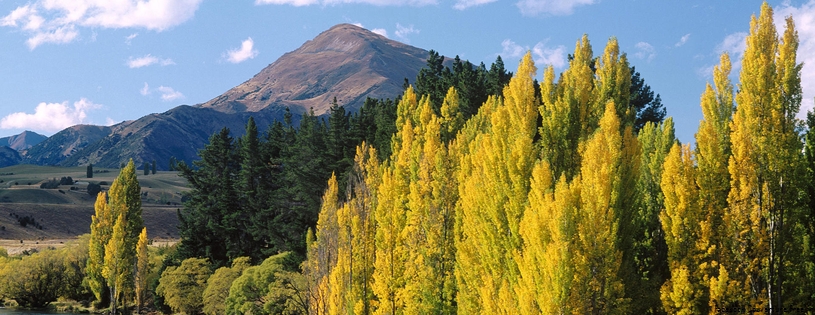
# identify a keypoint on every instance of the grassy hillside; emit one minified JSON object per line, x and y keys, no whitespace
{"x":28,"y":212}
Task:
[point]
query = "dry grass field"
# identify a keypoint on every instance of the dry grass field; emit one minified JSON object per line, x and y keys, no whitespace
{"x":35,"y":218}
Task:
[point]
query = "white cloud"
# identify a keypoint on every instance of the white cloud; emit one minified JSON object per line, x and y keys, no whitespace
{"x":50,"y":117}
{"x":60,"y":35}
{"x":148,"y":60}
{"x":682,"y":40}
{"x":542,"y":54}
{"x":380,"y":31}
{"x":551,"y":7}
{"x":549,"y":56}
{"x":511,"y":49}
{"x":403,"y":32}
{"x":57,"y":21}
{"x":645,"y":51}
{"x":109,"y":122}
{"x":464,"y":4}
{"x":130,"y":38}
{"x":245,"y":52}
{"x":300,"y":3}
{"x":169,"y":94}
{"x":804,"y":17}
{"x":145,"y":90}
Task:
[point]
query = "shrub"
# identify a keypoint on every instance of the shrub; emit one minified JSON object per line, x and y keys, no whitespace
{"x":94,"y":189}
{"x":183,"y":287}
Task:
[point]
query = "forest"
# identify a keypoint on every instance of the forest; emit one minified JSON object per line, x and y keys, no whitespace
{"x":480,"y":191}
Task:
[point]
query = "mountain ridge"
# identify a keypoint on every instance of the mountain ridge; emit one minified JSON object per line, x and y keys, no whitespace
{"x":345,"y":62}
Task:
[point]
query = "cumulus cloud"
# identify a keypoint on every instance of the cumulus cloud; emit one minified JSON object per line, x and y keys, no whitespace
{"x":542,"y":54}
{"x":50,"y":117}
{"x":645,"y":51}
{"x":464,"y":4}
{"x":550,"y":7}
{"x":245,"y":52}
{"x":148,"y":60}
{"x":682,"y":40}
{"x":169,"y":94}
{"x":403,"y":32}
{"x":58,"y":21}
{"x":804,"y":17}
{"x":380,"y":31}
{"x":300,"y":3}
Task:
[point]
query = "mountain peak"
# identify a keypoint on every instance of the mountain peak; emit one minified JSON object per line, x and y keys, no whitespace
{"x":22,"y":141}
{"x":345,"y":62}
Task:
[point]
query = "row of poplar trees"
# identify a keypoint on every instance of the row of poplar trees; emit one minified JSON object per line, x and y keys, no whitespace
{"x":553,"y":203}
{"x":118,"y":260}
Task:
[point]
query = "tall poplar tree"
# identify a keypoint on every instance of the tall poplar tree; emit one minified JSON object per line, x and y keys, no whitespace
{"x":685,"y":291}
{"x":494,"y":187}
{"x":766,"y":157}
{"x":101,"y":230}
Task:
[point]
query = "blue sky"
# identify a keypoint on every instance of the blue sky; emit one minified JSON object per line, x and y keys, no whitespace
{"x":65,"y":62}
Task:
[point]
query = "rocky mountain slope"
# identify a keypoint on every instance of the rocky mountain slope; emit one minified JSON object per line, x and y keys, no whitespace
{"x":23,"y":141}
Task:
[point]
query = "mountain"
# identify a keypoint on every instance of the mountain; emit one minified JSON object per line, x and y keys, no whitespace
{"x":346,"y":62}
{"x":22,"y":141}
{"x":9,"y":156}
{"x":62,"y":144}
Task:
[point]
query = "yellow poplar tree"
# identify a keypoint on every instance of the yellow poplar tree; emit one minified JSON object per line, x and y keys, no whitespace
{"x":597,"y":258}
{"x":101,"y":230}
{"x":493,"y":190}
{"x":766,"y":158}
{"x":684,"y":292}
{"x":566,"y":111}
{"x":712,"y":156}
{"x":142,"y":269}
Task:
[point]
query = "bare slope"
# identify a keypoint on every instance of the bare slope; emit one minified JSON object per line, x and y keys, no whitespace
{"x":347,"y":62}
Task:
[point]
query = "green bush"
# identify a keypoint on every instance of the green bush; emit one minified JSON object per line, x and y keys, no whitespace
{"x":183,"y":287}
{"x":268,"y":289}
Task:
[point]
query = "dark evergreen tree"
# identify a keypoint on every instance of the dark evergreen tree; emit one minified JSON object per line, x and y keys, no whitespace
{"x":205,"y":227}
{"x":649,"y":107}
{"x":146,"y":168}
{"x":153,"y":167}
{"x":89,"y":171}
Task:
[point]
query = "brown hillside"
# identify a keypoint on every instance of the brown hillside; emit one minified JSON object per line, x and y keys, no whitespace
{"x":347,"y":62}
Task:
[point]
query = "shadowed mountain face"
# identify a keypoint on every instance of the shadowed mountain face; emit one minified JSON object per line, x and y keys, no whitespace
{"x":347,"y":62}
{"x":23,"y":141}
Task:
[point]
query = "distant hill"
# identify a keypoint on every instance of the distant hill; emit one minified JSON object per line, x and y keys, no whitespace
{"x":9,"y":156}
{"x":22,"y":141}
{"x":346,"y":62}
{"x":55,"y":149}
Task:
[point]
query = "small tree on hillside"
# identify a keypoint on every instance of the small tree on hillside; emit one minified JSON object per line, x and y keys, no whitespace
{"x":154,"y":167}
{"x":89,"y":171}
{"x":146,"y":168}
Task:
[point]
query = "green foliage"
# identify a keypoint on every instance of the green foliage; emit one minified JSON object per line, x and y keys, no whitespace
{"x":268,"y":289}
{"x":89,"y":171}
{"x":41,"y":278}
{"x":218,"y":285}
{"x":182,"y":287}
